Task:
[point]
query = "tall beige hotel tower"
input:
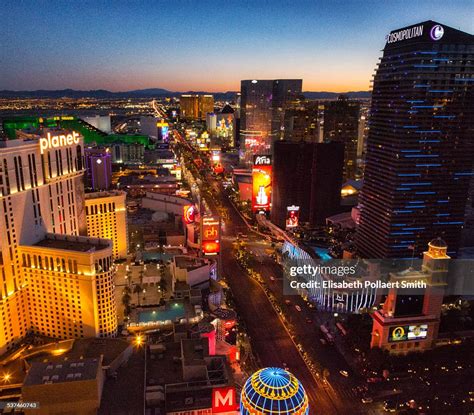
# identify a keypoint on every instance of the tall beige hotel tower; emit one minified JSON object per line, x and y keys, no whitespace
{"x":54,"y":280}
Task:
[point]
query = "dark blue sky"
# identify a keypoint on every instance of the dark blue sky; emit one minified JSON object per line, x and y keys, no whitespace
{"x":212,"y":45}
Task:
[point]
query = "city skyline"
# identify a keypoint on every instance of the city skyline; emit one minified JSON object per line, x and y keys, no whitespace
{"x":155,"y":45}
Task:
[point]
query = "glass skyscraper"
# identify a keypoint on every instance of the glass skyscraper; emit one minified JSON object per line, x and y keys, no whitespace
{"x":262,"y":111}
{"x":420,"y":147}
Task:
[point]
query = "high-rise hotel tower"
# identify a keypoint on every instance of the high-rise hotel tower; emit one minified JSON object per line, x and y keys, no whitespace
{"x":420,"y":147}
{"x":53,"y":281}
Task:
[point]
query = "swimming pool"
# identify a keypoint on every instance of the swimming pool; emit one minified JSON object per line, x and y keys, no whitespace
{"x":156,"y":256}
{"x":172,"y":312}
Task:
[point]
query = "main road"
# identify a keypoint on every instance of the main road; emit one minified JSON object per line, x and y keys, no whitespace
{"x":270,"y":340}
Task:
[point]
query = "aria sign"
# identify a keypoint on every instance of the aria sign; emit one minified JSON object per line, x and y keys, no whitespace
{"x":56,"y":141}
{"x":262,"y":160}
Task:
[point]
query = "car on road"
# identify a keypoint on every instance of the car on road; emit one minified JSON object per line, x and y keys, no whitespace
{"x":374,"y":380}
{"x":298,"y":308}
{"x":367,"y":399}
{"x":344,"y":373}
{"x":390,"y":406}
{"x":287,"y":302}
{"x":322,"y":341}
{"x":272,"y":278}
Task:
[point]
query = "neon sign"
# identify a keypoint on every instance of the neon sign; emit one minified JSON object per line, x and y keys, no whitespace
{"x":189,"y":214}
{"x":56,"y":141}
{"x":404,"y":34}
{"x":437,"y":32}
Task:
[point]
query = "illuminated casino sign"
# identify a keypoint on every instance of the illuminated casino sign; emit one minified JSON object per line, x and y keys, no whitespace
{"x":210,"y":235}
{"x":262,"y":160}
{"x":224,"y":400}
{"x":55,"y":141}
{"x":404,"y":333}
{"x":292,"y":217}
{"x":411,"y":32}
{"x":261,"y":183}
{"x":189,"y":214}
{"x":436,"y":32}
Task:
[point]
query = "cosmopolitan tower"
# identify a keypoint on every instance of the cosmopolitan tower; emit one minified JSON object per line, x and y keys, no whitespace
{"x":420,"y":147}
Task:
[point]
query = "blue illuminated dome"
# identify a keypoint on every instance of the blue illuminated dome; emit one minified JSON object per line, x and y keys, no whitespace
{"x":273,"y":391}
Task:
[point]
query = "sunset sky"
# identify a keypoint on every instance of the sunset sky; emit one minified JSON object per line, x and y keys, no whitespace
{"x":200,"y":45}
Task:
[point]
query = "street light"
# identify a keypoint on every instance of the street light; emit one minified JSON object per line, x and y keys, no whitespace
{"x":138,"y":340}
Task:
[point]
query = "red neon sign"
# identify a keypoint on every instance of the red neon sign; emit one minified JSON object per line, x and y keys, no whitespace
{"x":189,"y":213}
{"x":223,"y":400}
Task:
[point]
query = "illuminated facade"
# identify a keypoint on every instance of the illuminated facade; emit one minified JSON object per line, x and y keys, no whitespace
{"x":304,"y":122}
{"x":196,"y":106}
{"x":420,"y":144}
{"x":340,"y":300}
{"x":255,"y":118}
{"x":409,"y":321}
{"x":42,"y":193}
{"x":262,"y":113}
{"x":70,"y":286}
{"x":286,"y":93}
{"x":341,"y":124}
{"x":273,"y":391}
{"x":98,"y":168}
{"x":106,"y":217}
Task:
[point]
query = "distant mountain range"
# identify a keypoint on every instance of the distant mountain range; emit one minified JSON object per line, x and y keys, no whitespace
{"x":154,"y":93}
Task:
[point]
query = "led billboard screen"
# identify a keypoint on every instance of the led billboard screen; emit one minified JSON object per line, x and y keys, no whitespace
{"x":292,"y":216}
{"x":210,"y":235}
{"x":261,"y":183}
{"x":404,"y":333}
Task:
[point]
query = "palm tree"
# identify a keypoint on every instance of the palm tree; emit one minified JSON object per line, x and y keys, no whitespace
{"x":163,"y":284}
{"x":126,"y":299}
{"x":126,"y":302}
{"x":137,"y":289}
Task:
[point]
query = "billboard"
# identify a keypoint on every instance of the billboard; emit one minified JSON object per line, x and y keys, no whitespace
{"x":205,"y":411}
{"x":224,"y":400}
{"x":189,"y":213}
{"x":210,"y":235}
{"x":419,"y":331}
{"x":292,"y":216}
{"x":261,"y":183}
{"x":405,"y":333}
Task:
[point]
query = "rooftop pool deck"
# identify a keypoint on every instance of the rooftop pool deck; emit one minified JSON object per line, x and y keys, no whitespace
{"x":156,"y":256}
{"x":172,"y":312}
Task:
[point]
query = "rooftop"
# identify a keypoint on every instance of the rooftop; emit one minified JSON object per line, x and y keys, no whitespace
{"x":189,"y":263}
{"x":108,"y":193}
{"x":73,"y":243}
{"x":194,"y":351}
{"x":66,"y":371}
